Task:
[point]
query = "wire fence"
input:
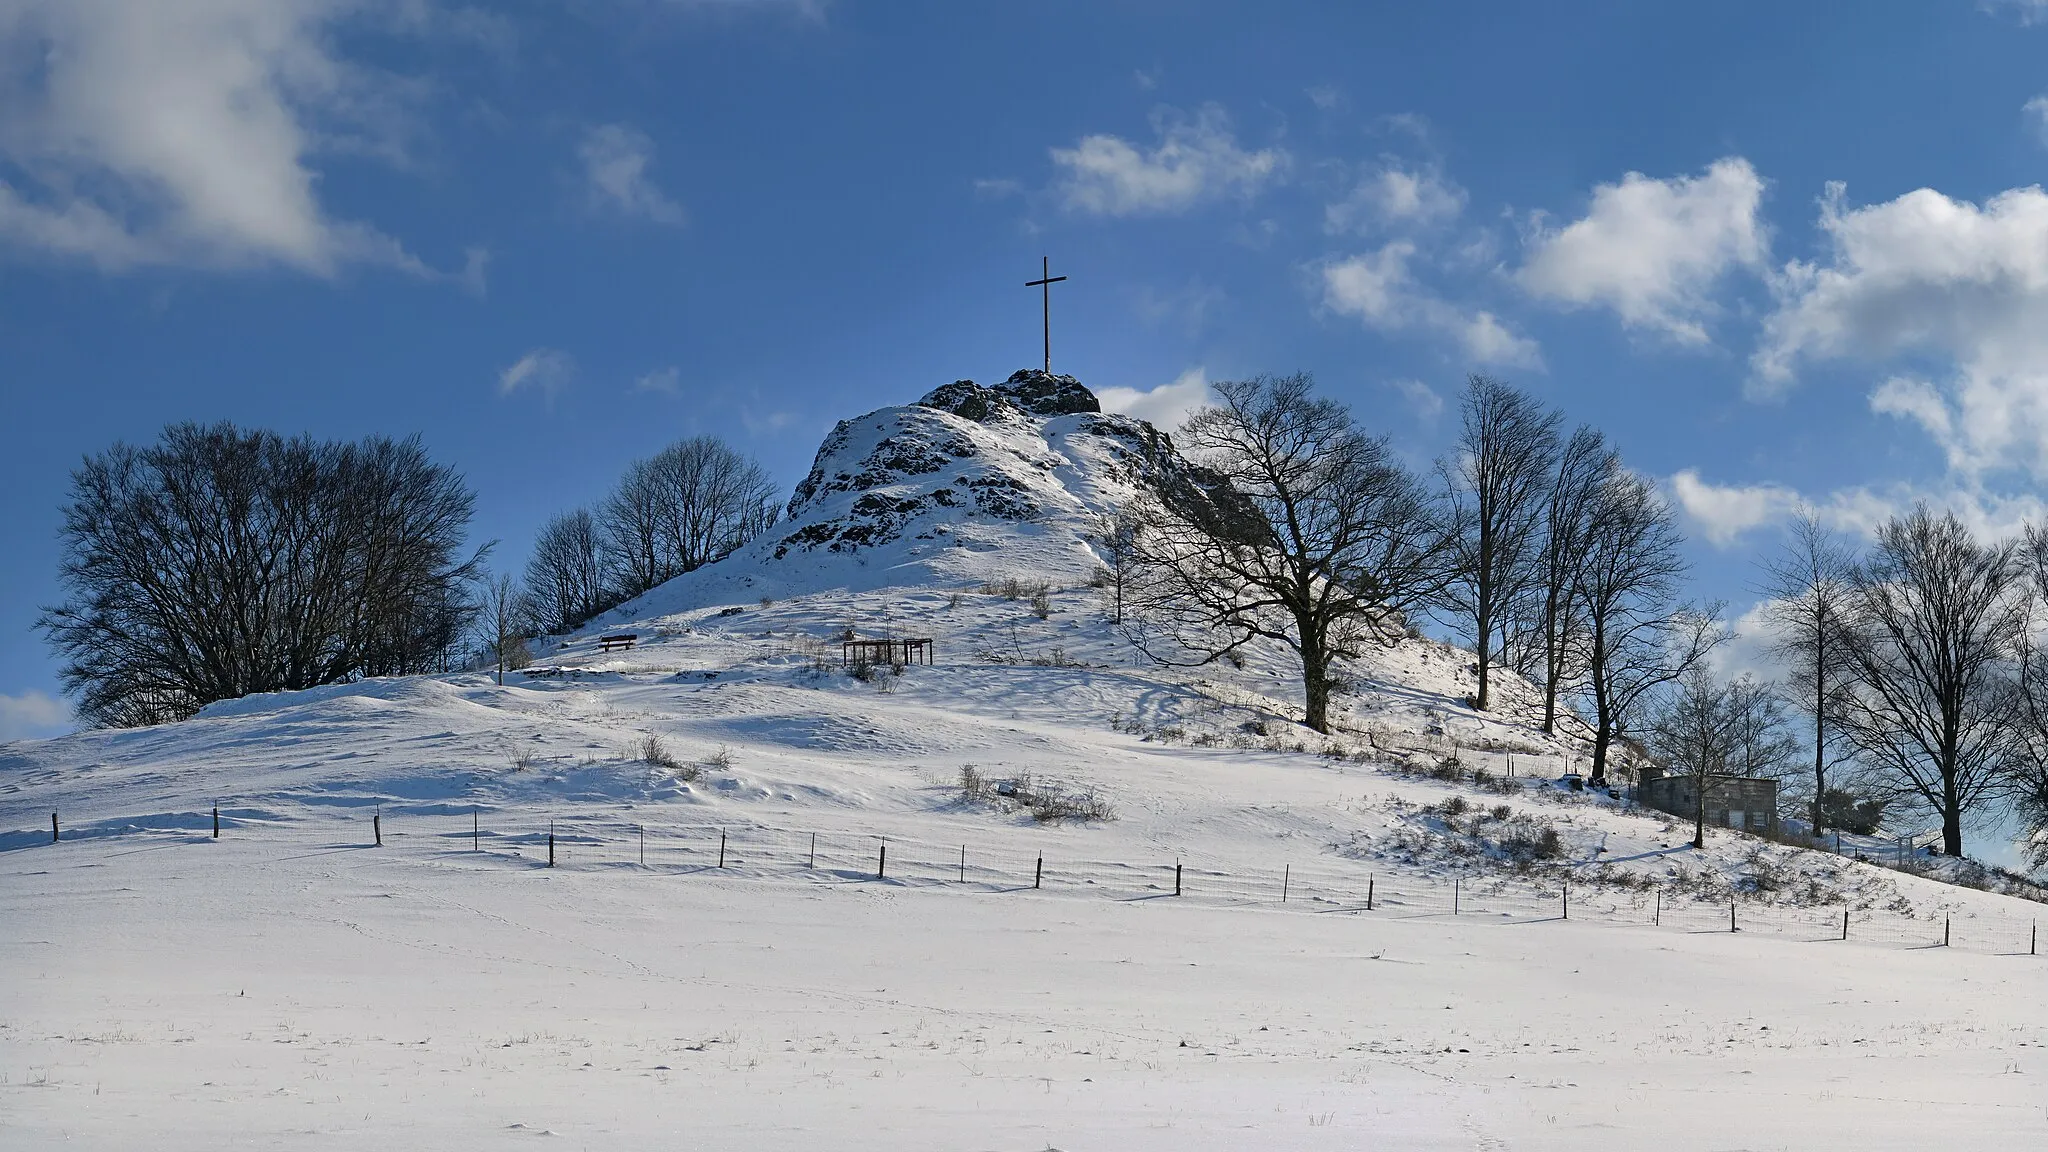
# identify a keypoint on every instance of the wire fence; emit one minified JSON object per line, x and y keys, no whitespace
{"x":1012,"y":860}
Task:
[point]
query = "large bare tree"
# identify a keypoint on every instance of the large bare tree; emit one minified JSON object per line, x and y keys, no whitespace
{"x":1807,"y":589}
{"x":1304,"y":530}
{"x":1552,"y":625}
{"x":223,"y":561}
{"x":1707,"y":728}
{"x":1638,"y":638}
{"x":567,"y":581}
{"x":1507,"y":447}
{"x":1934,"y":644}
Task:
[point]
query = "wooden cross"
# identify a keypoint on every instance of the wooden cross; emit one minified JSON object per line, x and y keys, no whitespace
{"x":1044,"y":285}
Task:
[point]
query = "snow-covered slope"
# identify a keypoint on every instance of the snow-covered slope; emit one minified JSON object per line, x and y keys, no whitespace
{"x":941,"y":519}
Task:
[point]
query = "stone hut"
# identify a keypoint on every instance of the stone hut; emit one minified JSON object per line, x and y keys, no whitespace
{"x":1744,"y":803}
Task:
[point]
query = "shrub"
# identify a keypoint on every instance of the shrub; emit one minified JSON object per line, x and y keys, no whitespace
{"x":654,"y":752}
{"x":1448,"y":769}
{"x":862,"y":670}
{"x":719,"y":761}
{"x":1041,"y":604}
{"x":1501,"y":812}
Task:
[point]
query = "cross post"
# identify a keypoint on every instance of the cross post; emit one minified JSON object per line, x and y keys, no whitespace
{"x":1044,"y":284}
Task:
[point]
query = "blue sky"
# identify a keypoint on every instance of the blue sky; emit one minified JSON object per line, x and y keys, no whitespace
{"x":1779,"y":252}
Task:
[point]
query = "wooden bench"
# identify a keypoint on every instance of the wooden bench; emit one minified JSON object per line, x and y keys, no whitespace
{"x":616,"y":640}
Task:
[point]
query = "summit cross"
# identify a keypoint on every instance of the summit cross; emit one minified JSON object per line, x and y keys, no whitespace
{"x":1044,"y":284}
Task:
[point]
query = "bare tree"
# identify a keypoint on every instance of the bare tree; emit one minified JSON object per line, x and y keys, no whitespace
{"x":1706,"y":729}
{"x":1115,"y":535}
{"x":566,"y":577}
{"x":2028,"y":764}
{"x":634,"y":519}
{"x":221,"y":561}
{"x":1637,"y":637}
{"x":1307,"y":532}
{"x":1806,"y":592}
{"x":1935,"y":625}
{"x":1498,"y":482}
{"x":1554,"y":618}
{"x":714,"y":501}
{"x":505,"y":624}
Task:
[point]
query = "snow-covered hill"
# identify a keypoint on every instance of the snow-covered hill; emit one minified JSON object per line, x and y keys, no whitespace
{"x":964,"y":518}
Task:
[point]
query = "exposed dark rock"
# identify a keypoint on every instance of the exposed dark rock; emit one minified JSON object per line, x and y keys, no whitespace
{"x":1042,"y":395}
{"x":969,"y":401}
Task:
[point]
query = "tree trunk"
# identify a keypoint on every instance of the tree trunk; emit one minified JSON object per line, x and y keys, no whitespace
{"x":1485,"y":630}
{"x":1951,"y":816}
{"x":1699,"y":810}
{"x":1315,"y":684}
{"x":1820,"y":772}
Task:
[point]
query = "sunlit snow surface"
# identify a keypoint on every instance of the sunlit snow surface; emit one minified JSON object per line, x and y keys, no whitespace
{"x":292,"y":985}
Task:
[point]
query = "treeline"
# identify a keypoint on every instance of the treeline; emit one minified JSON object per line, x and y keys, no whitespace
{"x":1917,"y":669}
{"x":222,"y":561}
{"x":692,"y":503}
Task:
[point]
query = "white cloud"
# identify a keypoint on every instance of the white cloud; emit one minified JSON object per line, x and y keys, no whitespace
{"x":545,"y":370}
{"x":1935,"y":279}
{"x":1196,"y":159}
{"x":1394,"y":197}
{"x":148,"y":133}
{"x":1653,"y":250}
{"x":667,"y":381}
{"x":1379,"y":290}
{"x":1426,"y":402}
{"x":2036,"y":111}
{"x":616,"y":158}
{"x":33,"y":715}
{"x":1165,"y":406}
{"x":1724,"y":513}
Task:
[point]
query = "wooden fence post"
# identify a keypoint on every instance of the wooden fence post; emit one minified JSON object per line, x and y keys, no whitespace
{"x":53,"y":827}
{"x":1731,"y":913}
{"x":721,"y":847}
{"x":1368,"y":892}
{"x":1457,"y":888}
{"x":377,"y":828}
{"x":476,"y":835}
{"x":551,"y":843}
{"x":814,"y":852}
{"x":1944,"y":930}
{"x":643,"y":844}
{"x":1845,"y":921}
{"x":963,"y":863}
{"x":1567,"y":899}
{"x":882,"y":863}
{"x":1038,"y":874}
{"x":1657,"y":917}
{"x":1286,"y":874}
{"x":216,"y":821}
{"x":1176,"y":877}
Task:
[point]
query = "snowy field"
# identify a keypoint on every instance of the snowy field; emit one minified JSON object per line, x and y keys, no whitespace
{"x":194,"y":994}
{"x":1364,"y":954}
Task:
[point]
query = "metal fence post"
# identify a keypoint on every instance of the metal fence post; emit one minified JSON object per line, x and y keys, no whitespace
{"x":721,"y":847}
{"x":1038,"y":876}
{"x":53,"y":827}
{"x":882,"y":863}
{"x":1286,"y":874}
{"x":1368,"y":892}
{"x":1176,"y":877}
{"x":216,"y":821}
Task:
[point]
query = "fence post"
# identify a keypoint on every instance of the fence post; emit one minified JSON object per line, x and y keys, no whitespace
{"x":1567,"y":898}
{"x":963,"y":863}
{"x":1845,"y":921}
{"x":1038,"y":875}
{"x":2033,"y":939}
{"x":1657,"y":917}
{"x":1731,"y":914}
{"x":1368,"y":892}
{"x":216,"y":821}
{"x":551,"y":843}
{"x":1286,"y":874}
{"x":882,"y":863}
{"x":53,"y":827}
{"x":1176,"y":877}
{"x":476,"y":834}
{"x":1457,"y":887}
{"x":721,"y":847}
{"x":377,"y":828}
{"x":814,"y":852}
{"x":643,"y":844}
{"x":1944,"y":931}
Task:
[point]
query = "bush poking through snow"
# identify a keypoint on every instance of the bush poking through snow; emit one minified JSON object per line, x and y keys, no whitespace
{"x":1047,"y":802}
{"x":1041,"y":603}
{"x":719,"y":761}
{"x":654,"y":752}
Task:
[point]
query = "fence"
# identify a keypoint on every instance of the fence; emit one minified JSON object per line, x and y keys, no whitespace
{"x":1012,"y":859}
